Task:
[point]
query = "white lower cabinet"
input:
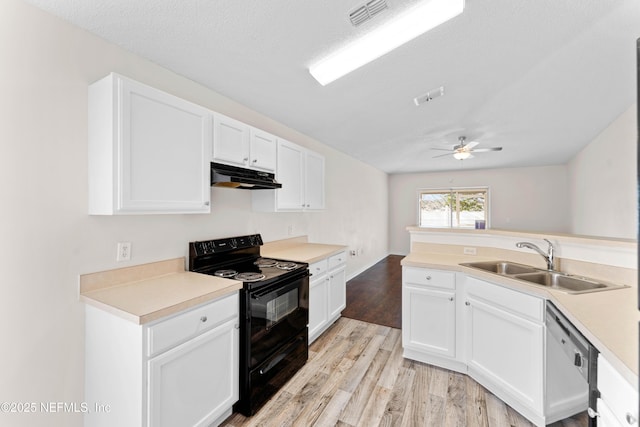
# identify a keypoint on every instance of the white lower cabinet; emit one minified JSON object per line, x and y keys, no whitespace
{"x":180,"y":371}
{"x":327,"y":293}
{"x":494,"y":334}
{"x":618,"y":402}
{"x":504,"y":332}
{"x":318,"y":299}
{"x":429,"y":316}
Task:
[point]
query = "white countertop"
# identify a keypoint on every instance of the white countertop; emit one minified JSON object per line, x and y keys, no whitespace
{"x":300,"y":250}
{"x":148,"y":292}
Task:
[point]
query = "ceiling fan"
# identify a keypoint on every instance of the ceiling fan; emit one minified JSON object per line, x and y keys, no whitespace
{"x":463,"y":150}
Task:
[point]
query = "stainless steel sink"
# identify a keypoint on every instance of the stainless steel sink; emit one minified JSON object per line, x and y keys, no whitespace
{"x":565,"y":282}
{"x":551,"y":279}
{"x":502,"y":267}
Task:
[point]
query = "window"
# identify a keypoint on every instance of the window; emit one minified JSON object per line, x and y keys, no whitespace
{"x":454,"y":208}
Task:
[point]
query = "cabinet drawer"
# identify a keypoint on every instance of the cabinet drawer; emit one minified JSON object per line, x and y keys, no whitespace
{"x":337,"y":260}
{"x":425,"y":276}
{"x":617,"y":393}
{"x":511,"y":300}
{"x":319,"y":268}
{"x":186,"y":325}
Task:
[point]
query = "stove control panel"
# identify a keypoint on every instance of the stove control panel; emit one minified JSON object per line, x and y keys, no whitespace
{"x":208,"y":247}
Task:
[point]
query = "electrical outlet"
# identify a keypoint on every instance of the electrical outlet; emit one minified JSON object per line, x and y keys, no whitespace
{"x":352,"y":253}
{"x":469,"y":251}
{"x":124,"y":251}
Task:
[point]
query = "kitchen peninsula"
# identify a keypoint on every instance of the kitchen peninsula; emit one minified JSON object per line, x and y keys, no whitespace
{"x":608,"y":319}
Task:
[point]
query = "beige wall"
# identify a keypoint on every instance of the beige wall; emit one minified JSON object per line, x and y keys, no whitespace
{"x":532,"y":198}
{"x":47,"y":238}
{"x":603,"y":183}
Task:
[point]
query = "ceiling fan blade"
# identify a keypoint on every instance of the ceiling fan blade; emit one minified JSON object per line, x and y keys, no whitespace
{"x":441,"y":155}
{"x":471,"y":144}
{"x":483,"y":150}
{"x":441,"y":149}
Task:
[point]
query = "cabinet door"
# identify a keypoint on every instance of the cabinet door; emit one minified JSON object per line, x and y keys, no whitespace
{"x":230,"y":141}
{"x":617,"y":394}
{"x":506,"y":351}
{"x":290,"y":175}
{"x":606,"y":418}
{"x":262,"y":151}
{"x":163,"y":165}
{"x":318,"y":305}
{"x":337,"y":292}
{"x":195,"y":383}
{"x":314,"y":181}
{"x":429,"y":320}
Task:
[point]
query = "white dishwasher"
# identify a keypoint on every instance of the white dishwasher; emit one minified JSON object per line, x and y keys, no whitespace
{"x":570,"y":369}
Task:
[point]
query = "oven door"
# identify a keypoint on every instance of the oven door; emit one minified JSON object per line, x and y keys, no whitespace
{"x":277,"y":314}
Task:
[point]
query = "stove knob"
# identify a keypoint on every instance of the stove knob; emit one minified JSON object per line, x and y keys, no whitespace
{"x":233,"y":243}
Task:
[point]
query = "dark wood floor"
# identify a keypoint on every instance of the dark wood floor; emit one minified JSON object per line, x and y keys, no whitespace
{"x":375,"y":296}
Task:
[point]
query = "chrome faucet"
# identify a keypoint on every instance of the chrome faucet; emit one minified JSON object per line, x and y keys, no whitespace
{"x":547,"y":257}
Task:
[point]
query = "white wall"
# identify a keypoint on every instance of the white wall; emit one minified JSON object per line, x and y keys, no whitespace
{"x":46,"y":237}
{"x":603,"y":182}
{"x":532,"y":198}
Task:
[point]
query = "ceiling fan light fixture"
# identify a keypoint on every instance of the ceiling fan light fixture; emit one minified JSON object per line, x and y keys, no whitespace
{"x":414,"y":22}
{"x":461,"y":155}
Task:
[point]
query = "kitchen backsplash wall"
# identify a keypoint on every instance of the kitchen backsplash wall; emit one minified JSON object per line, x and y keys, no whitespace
{"x":48,"y":239}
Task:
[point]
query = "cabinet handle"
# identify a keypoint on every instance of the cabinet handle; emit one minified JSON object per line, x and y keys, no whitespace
{"x":467,"y":303}
{"x":450,"y":298}
{"x":207,"y":203}
{"x":203,"y":319}
{"x":630,"y":419}
{"x":428,"y":277}
{"x":255,"y":160}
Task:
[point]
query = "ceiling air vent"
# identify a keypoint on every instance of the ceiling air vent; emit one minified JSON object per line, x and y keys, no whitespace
{"x":367,"y":11}
{"x":429,"y":96}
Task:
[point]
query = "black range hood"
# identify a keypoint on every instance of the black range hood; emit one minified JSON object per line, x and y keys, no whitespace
{"x":246,"y":179}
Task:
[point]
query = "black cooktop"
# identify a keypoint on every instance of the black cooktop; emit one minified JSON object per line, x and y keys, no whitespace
{"x":239,"y":258}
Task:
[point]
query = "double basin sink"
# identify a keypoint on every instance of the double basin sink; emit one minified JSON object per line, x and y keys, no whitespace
{"x":550,"y":279}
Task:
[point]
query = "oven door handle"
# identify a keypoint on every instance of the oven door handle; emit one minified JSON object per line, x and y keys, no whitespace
{"x":277,"y":289}
{"x":278,"y":359}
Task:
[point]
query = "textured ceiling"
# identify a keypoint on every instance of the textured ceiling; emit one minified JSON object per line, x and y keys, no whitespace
{"x":541,"y":78}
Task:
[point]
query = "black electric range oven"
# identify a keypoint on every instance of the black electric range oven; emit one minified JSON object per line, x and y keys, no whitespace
{"x":274,"y":313}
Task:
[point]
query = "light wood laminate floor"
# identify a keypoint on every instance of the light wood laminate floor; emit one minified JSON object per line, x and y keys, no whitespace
{"x":356,"y":376}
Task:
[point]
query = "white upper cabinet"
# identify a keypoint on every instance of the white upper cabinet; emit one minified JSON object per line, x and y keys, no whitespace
{"x":238,"y":144}
{"x":301,"y":173}
{"x":230,"y":141}
{"x":148,"y":150}
{"x":290,"y":173}
{"x":262,"y":150}
{"x":314,"y":180}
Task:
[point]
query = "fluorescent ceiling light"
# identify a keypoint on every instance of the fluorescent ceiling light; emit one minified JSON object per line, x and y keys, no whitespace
{"x":414,"y":22}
